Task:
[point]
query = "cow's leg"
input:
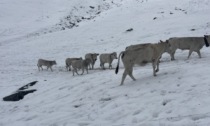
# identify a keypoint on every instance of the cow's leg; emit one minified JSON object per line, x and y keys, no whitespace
{"x":102,"y":66}
{"x":69,"y":67}
{"x":50,"y":68}
{"x":77,"y":71}
{"x":93,"y":64}
{"x":157,"y":62}
{"x":41,"y":67}
{"x":130,"y":73}
{"x":199,"y":53}
{"x":110,"y":65}
{"x":73,"y":71}
{"x":172,"y":55}
{"x":154,"y":66}
{"x":89,"y":66}
{"x":123,"y":77}
{"x":83,"y":69}
{"x":190,"y":52}
{"x":38,"y":68}
{"x":86,"y":69}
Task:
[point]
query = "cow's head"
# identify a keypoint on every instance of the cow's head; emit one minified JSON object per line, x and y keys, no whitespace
{"x":94,"y":56}
{"x":54,"y":62}
{"x":167,"y":45}
{"x":114,"y":55}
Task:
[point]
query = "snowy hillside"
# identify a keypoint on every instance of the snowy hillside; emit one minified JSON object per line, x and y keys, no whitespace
{"x":29,"y":30}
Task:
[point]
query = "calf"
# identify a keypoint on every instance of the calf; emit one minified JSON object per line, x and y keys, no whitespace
{"x":142,"y":55}
{"x":107,"y":58}
{"x":69,"y":62}
{"x":48,"y":63}
{"x":92,"y":57}
{"x":80,"y":64}
{"x":188,"y":43}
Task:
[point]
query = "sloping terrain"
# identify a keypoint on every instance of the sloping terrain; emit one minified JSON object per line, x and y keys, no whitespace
{"x":177,"y":96}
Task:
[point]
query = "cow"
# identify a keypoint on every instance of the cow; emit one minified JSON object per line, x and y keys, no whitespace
{"x":80,"y":64}
{"x":68,"y":62}
{"x":107,"y":58}
{"x":140,"y":56}
{"x":48,"y":63}
{"x":139,"y":46}
{"x":92,"y":57}
{"x":188,"y":43}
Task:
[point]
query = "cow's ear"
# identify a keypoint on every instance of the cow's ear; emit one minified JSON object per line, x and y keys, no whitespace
{"x":206,"y":36}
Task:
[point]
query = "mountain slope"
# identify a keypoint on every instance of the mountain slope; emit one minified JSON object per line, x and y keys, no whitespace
{"x":177,"y":96}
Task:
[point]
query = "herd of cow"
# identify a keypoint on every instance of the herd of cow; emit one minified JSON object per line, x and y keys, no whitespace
{"x":135,"y":54}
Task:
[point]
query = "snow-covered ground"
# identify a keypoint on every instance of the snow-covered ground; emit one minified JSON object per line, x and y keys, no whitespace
{"x":178,"y":96}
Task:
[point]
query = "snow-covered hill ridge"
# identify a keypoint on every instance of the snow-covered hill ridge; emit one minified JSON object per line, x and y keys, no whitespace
{"x":178,"y":96}
{"x":47,"y":16}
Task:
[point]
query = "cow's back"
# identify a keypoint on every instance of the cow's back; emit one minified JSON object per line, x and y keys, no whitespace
{"x":104,"y":57}
{"x":137,"y":46}
{"x":43,"y":62}
{"x":194,"y":43}
{"x":138,"y":56}
{"x":77,"y":64}
{"x":88,"y":56}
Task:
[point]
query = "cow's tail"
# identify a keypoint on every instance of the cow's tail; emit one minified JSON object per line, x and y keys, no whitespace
{"x":118,"y":63}
{"x":206,"y":41}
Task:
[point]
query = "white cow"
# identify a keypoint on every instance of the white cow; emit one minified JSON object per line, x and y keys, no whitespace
{"x":68,"y":62}
{"x":188,"y":43}
{"x":142,"y":55}
{"x":48,"y":63}
{"x":80,"y":64}
{"x":107,"y":58}
{"x":92,"y":57}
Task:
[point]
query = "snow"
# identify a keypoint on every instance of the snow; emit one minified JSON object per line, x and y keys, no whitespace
{"x":177,"y":96}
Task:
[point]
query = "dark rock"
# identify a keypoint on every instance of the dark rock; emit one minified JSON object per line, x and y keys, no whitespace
{"x":92,"y":7}
{"x":98,"y":12}
{"x":77,"y":106}
{"x":130,"y":29}
{"x":18,"y":96}
{"x":21,"y":92}
{"x":105,"y":99}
